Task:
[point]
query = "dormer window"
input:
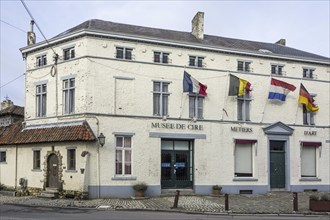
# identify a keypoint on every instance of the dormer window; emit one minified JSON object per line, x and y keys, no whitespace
{"x":41,"y":60}
{"x":124,"y":53}
{"x":308,"y":73}
{"x":196,"y":61}
{"x":277,"y":69}
{"x":69,"y":53}
{"x":161,"y":57}
{"x":243,"y":66}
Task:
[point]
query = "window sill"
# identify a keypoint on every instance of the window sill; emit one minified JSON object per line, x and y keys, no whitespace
{"x":124,"y":178}
{"x":4,"y":162}
{"x":36,"y":170}
{"x":309,"y":179}
{"x":249,"y":179}
{"x":71,"y":171}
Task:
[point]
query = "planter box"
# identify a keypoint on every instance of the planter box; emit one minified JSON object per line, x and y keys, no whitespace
{"x":319,"y":206}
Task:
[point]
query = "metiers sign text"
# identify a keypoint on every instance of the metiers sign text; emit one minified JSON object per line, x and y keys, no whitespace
{"x":177,"y":126}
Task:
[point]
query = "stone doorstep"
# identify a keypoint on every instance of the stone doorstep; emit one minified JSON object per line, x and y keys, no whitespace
{"x":51,"y":193}
{"x":172,"y":192}
{"x":8,"y":193}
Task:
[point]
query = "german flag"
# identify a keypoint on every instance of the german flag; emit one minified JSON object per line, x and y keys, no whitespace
{"x":306,"y":99}
{"x":238,"y":86}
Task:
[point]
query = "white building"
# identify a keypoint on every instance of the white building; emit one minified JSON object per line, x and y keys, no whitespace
{"x":125,"y":82}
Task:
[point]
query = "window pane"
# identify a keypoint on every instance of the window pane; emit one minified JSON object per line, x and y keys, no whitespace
{"x":273,"y":69}
{"x":156,"y":104}
{"x":240,"y":65}
{"x":200,"y":62}
{"x":43,"y":105}
{"x":243,"y":160}
{"x":192,"y":106}
{"x":120,"y":53}
{"x":3,"y":156}
{"x":200,"y":107}
{"x":247,"y":110}
{"x":127,"y":162}
{"x":128,"y":54}
{"x":239,"y":109}
{"x":165,"y":57}
{"x":127,"y":142}
{"x":165,"y":105}
{"x":165,"y":87}
{"x":156,"y":57}
{"x":308,"y":162}
{"x":119,"y":142}
{"x":192,"y":61}
{"x":157,"y":86}
{"x":119,"y":164}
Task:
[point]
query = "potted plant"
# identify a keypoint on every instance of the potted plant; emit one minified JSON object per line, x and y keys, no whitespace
{"x":216,"y":190}
{"x":319,"y":204}
{"x":139,"y":189}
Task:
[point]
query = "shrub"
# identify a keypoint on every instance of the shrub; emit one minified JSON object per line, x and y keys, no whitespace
{"x":140,"y":186}
{"x":325,"y":198}
{"x":314,"y":197}
{"x":216,"y":187}
{"x":2,"y":186}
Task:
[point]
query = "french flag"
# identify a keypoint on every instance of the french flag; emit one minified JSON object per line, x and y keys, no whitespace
{"x":279,"y":89}
{"x":191,"y":85}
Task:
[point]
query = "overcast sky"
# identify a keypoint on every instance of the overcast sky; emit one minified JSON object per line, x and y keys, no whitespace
{"x":304,"y":24}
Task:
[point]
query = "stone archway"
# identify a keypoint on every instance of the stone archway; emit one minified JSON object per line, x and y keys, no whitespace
{"x":53,"y":171}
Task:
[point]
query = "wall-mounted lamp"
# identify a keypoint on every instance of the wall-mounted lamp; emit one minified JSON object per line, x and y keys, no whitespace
{"x":101,"y":138}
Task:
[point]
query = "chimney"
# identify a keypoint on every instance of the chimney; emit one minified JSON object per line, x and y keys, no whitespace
{"x":6,"y":103}
{"x":197,"y":25}
{"x":31,"y":36}
{"x":281,"y":42}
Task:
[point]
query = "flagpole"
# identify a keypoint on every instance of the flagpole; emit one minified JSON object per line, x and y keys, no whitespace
{"x":181,"y":109}
{"x":225,"y":98}
{"x":295,"y":120}
{"x":263,"y":113}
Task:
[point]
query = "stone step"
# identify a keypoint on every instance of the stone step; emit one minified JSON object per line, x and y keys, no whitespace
{"x":183,"y":192}
{"x":53,"y":190}
{"x":50,"y":193}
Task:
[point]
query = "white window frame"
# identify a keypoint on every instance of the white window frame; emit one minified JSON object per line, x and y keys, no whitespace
{"x":198,"y":61}
{"x":69,"y":95}
{"x":41,"y":100}
{"x":160,"y":107}
{"x":278,"y":69}
{"x":69,"y":53}
{"x":308,"y":72}
{"x":41,"y":60}
{"x":305,"y":168}
{"x":125,"y":53}
{"x":69,"y":151}
{"x":162,"y":56}
{"x":35,"y":159}
{"x":236,"y":160}
{"x":243,"y":108}
{"x":246,"y":66}
{"x":196,"y":106}
{"x":3,"y":159}
{"x":123,"y":148}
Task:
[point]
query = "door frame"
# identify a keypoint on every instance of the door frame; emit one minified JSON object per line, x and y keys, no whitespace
{"x":286,"y":156}
{"x":60,"y":169}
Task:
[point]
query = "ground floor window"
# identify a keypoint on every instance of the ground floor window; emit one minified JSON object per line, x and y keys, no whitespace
{"x":123,"y":155}
{"x":36,"y":159}
{"x":308,"y":161}
{"x":3,"y":158}
{"x":243,"y":160}
{"x":71,"y":156}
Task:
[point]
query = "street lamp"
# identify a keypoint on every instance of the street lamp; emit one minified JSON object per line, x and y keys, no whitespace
{"x":101,"y":138}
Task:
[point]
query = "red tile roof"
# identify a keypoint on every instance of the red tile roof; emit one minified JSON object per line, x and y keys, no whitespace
{"x":15,"y":134}
{"x":13,"y":110}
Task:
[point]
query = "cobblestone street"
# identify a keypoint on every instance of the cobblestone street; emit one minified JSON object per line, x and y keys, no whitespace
{"x":275,"y":203}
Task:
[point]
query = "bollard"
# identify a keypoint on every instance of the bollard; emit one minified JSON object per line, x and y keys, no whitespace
{"x":226,"y":202}
{"x":295,"y":201}
{"x":176,"y":199}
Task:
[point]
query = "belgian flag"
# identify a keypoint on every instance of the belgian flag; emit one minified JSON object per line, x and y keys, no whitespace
{"x":306,"y":99}
{"x":238,"y":87}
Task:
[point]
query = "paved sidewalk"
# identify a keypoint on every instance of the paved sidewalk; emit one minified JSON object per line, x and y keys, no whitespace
{"x":271,"y":203}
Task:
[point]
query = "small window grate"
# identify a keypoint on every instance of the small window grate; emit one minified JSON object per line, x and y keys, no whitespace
{"x":246,"y":192}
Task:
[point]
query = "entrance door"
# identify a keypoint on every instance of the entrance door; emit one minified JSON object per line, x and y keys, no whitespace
{"x":52,"y":171}
{"x":277,"y":164}
{"x":176,"y":164}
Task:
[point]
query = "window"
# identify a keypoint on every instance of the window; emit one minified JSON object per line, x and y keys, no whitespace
{"x":277,"y":69}
{"x":160,"y":97}
{"x":196,"y":61}
{"x":308,"y":117}
{"x":124,"y":53}
{"x":196,"y":106}
{"x":69,"y":53}
{"x":36,"y":159}
{"x":308,"y":161}
{"x":71,"y":159}
{"x":69,"y":95}
{"x":243,"y":108}
{"x":123,"y":155}
{"x":308,"y":73}
{"x":3,"y":156}
{"x":161,"y":57}
{"x":243,"y":160}
{"x":41,"y":60}
{"x":243,"y":66}
{"x":41,"y":100}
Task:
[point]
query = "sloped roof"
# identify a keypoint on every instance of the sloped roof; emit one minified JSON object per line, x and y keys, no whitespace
{"x":13,"y":110}
{"x":186,"y":37}
{"x":60,"y":132}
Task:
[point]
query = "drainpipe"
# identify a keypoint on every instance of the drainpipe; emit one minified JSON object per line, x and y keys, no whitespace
{"x":16,"y":155}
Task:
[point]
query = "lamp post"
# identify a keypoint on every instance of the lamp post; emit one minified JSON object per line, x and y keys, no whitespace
{"x":101,"y":138}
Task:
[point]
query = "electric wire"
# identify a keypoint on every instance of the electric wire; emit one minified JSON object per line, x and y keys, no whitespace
{"x":12,"y":80}
{"x":12,"y":26}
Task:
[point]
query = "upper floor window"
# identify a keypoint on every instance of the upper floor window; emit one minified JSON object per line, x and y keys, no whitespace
{"x":36,"y":159}
{"x":243,"y":66}
{"x":243,"y":107}
{"x":160,"y":98}
{"x":161,"y":57}
{"x":196,"y":61}
{"x":308,"y":73}
{"x":3,"y":158}
{"x":124,"y":53}
{"x":71,"y":159}
{"x":41,"y":60}
{"x":277,"y":69}
{"x":196,"y":106}
{"x":308,"y":117}
{"x":41,"y":100}
{"x":68,"y":53}
{"x":123,"y":155}
{"x":69,"y":95}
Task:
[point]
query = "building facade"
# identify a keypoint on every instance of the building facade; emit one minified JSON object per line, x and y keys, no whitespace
{"x":126,"y":82}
